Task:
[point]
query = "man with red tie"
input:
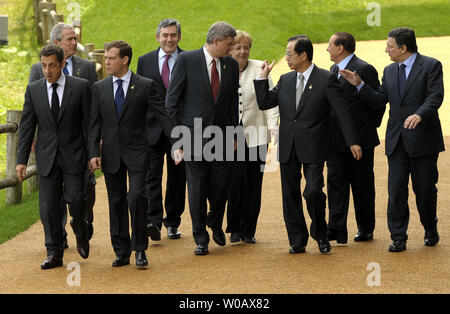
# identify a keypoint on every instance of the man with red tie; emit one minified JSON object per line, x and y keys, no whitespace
{"x":157,"y":65}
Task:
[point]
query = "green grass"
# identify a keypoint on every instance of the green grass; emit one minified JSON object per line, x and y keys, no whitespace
{"x":270,"y":23}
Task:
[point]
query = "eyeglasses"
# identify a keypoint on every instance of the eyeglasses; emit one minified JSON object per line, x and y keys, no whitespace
{"x":289,"y":54}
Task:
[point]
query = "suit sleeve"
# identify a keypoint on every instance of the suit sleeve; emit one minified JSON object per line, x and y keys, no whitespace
{"x":35,"y":73}
{"x":376,"y":98}
{"x":338,"y":103}
{"x":86,"y":110}
{"x":139,"y":67}
{"x":272,"y":114}
{"x":92,"y":73}
{"x":27,"y":128}
{"x":370,"y":76}
{"x":176,"y":88}
{"x":266,"y":99}
{"x":156,"y":105}
{"x":435,"y":93}
{"x":95,"y":125}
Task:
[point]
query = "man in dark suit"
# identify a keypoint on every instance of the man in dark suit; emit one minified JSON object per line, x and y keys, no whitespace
{"x":414,"y":88}
{"x":64,"y":36}
{"x":119,"y":107}
{"x":305,"y":98}
{"x":157,"y":65}
{"x":343,"y":171}
{"x":59,"y":105}
{"x":203,"y":94}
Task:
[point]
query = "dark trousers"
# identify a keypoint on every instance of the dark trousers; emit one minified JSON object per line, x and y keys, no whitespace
{"x":292,"y":203}
{"x":89,"y":185}
{"x":343,"y":172}
{"x":57,"y":185}
{"x":174,"y":200}
{"x":244,"y":194}
{"x":207,"y":182}
{"x":424,"y":176}
{"x":119,"y":203}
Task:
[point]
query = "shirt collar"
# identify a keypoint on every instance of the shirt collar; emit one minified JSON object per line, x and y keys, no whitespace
{"x":307,"y":73}
{"x":410,"y":61}
{"x":345,"y":61}
{"x":125,"y":78}
{"x":61,"y":81}
{"x":162,"y":54}
{"x":208,"y":56}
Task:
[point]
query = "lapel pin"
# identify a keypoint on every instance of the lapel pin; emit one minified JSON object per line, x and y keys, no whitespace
{"x":78,"y":72}
{"x":310,"y":87}
{"x":224,"y":66}
{"x":132,"y":87}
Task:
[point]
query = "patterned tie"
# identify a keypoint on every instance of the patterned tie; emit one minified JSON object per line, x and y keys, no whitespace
{"x":215,"y":83}
{"x":55,"y":102}
{"x":119,"y":98}
{"x":401,"y":78}
{"x":165,"y":72}
{"x":299,"y":91}
{"x":65,"y":71}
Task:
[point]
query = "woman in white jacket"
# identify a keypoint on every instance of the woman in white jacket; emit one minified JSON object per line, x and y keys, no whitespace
{"x":244,"y":198}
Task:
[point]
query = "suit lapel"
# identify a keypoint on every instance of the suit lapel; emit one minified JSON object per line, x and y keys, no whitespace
{"x":307,"y":90}
{"x":46,"y":102}
{"x":155,"y":67}
{"x":130,"y":94}
{"x":66,"y":96}
{"x":109,"y":93}
{"x":204,"y":72}
{"x":415,"y":70}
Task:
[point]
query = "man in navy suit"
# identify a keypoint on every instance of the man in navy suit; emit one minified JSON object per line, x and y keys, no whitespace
{"x":157,"y":65}
{"x":203,"y":93}
{"x":414,"y":88}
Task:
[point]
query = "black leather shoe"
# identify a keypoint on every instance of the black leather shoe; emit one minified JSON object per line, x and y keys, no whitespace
{"x":363,"y":236}
{"x":324,"y":246}
{"x":141,"y":259}
{"x":201,"y":249}
{"x":83,"y":251}
{"x":219,"y":237}
{"x":65,"y":244}
{"x":431,"y":238}
{"x":153,"y":232}
{"x":52,"y":262}
{"x":121,"y":261}
{"x":297,"y":249}
{"x":81,"y":235}
{"x":173,"y":233}
{"x":235,"y":237}
{"x":249,"y":239}
{"x":397,"y":246}
{"x":340,"y":237}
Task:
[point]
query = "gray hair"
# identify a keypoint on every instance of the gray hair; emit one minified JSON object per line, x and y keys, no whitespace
{"x":220,"y":30}
{"x":166,"y":23}
{"x":56,"y":32}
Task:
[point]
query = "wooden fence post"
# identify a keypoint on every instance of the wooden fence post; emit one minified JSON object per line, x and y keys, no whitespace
{"x":37,"y":20}
{"x":13,"y":194}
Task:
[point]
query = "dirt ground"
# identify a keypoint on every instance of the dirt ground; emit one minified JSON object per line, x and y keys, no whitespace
{"x":264,"y":267}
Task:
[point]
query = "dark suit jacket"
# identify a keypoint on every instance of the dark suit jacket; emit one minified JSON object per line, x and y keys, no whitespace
{"x":67,"y":136}
{"x":366,"y":119}
{"x":423,"y":95}
{"x":148,"y":67}
{"x":307,"y":128}
{"x":124,"y":137}
{"x":189,"y":95}
{"x":81,"y":68}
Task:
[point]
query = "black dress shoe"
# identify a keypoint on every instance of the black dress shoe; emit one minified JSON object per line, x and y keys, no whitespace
{"x":340,"y":237}
{"x":153,"y":232}
{"x":65,"y":244}
{"x":235,"y":237}
{"x":324,"y":246}
{"x":219,"y":237}
{"x":52,"y":262}
{"x":398,"y":246}
{"x":141,"y":259}
{"x":173,"y":233}
{"x":121,"y":261}
{"x":249,"y":239}
{"x":431,"y":238}
{"x":363,"y":236}
{"x":297,"y":249}
{"x":83,"y":251}
{"x":201,"y":249}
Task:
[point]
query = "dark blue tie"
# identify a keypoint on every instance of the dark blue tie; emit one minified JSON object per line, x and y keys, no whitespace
{"x":401,"y":78}
{"x":119,"y":98}
{"x":65,"y":71}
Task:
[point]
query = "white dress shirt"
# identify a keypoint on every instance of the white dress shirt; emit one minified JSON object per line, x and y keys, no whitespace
{"x":209,"y":59}
{"x":59,"y":90}
{"x":125,"y":82}
{"x":306,"y":75}
{"x":69,"y":65}
{"x":341,"y":65}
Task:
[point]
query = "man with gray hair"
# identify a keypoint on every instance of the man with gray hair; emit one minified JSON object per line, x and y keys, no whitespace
{"x":64,"y":36}
{"x":203,"y":92}
{"x":157,"y":65}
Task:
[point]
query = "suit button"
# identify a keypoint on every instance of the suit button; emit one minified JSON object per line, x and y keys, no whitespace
{"x":295,"y":120}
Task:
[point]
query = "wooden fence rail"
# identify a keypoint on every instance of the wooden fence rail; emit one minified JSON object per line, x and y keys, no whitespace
{"x":12,"y":183}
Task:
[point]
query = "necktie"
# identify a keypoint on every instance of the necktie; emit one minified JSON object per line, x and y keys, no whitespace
{"x":299,"y":91}
{"x":65,"y":71}
{"x":119,"y":98}
{"x":55,"y":102}
{"x":336,"y":70}
{"x":165,"y":72}
{"x":401,"y":78}
{"x":215,"y":83}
